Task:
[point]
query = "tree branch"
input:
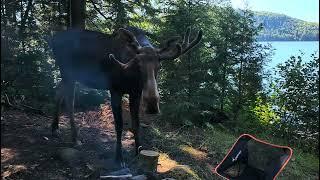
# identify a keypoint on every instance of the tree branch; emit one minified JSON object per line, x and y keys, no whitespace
{"x":97,"y":9}
{"x":25,"y":16}
{"x":94,"y":24}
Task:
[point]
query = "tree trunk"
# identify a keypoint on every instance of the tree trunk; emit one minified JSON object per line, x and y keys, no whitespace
{"x":223,"y":87}
{"x":25,"y":16}
{"x":121,"y":18}
{"x":240,"y":84}
{"x":238,"y":106}
{"x":77,"y":16}
{"x":189,"y":78}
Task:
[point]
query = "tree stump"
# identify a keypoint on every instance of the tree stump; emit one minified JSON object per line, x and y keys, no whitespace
{"x":148,"y":160}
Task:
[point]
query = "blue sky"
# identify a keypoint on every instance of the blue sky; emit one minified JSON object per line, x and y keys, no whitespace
{"x":307,"y":10}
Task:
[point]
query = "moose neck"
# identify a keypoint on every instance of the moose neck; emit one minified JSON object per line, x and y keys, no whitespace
{"x":126,"y":79}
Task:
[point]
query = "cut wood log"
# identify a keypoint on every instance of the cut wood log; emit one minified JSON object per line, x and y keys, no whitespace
{"x":148,"y":160}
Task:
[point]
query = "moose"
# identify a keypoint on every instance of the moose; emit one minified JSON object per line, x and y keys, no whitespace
{"x":124,"y":62}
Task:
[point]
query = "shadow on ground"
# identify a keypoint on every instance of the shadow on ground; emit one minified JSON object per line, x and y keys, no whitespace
{"x":28,"y":151}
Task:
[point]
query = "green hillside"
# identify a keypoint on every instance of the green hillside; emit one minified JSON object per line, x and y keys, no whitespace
{"x":279,"y":27}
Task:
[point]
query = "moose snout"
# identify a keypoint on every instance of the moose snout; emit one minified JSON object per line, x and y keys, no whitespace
{"x":151,"y":105}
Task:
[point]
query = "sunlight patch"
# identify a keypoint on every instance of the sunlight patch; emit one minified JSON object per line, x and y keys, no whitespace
{"x":197,"y":154}
{"x":7,"y":154}
{"x":12,"y":169}
{"x":165,"y":163}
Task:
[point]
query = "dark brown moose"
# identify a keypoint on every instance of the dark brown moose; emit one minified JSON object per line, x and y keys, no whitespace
{"x":123,"y":62}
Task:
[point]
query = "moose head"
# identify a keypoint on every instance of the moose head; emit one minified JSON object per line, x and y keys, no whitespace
{"x":145,"y":64}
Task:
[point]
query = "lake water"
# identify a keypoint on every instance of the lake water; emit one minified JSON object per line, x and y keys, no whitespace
{"x":285,"y":49}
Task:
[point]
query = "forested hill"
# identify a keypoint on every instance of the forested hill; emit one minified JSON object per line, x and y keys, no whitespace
{"x":279,"y":27}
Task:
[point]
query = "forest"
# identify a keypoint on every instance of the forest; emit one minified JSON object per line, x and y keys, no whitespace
{"x":279,"y":27}
{"x":208,"y":97}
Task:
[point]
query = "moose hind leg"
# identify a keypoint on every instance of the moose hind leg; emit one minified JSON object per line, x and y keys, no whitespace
{"x":69,"y":102}
{"x":116,"y":109}
{"x":59,"y":99}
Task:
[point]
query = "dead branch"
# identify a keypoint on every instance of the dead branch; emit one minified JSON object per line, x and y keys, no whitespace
{"x":23,"y":107}
{"x":8,"y":100}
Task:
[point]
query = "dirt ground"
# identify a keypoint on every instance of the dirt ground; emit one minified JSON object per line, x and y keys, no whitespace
{"x":28,"y":151}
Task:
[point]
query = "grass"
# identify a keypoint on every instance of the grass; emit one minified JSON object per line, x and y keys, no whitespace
{"x":196,"y":147}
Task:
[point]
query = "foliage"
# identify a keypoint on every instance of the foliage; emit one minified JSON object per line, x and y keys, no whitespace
{"x":27,"y":72}
{"x":229,"y":73}
{"x":264,"y":112}
{"x":295,"y":100}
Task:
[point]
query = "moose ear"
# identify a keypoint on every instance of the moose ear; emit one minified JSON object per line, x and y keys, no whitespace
{"x":115,"y":62}
{"x":127,"y":36}
{"x":170,"y":53}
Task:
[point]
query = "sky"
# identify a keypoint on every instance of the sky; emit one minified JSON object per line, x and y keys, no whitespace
{"x":307,"y":10}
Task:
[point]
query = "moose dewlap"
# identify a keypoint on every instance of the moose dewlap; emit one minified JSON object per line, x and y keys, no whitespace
{"x":251,"y":158}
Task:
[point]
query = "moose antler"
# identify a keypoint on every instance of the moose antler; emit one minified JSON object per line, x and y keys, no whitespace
{"x":173,"y":49}
{"x":186,"y":45}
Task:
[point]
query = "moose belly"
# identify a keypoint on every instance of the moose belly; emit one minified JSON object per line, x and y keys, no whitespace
{"x":96,"y":80}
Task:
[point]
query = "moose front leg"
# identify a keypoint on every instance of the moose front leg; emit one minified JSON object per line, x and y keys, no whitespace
{"x":69,"y":102}
{"x":134,"y":111}
{"x":117,"y":114}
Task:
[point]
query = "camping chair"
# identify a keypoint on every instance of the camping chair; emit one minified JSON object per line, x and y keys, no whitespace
{"x":253,"y":159}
